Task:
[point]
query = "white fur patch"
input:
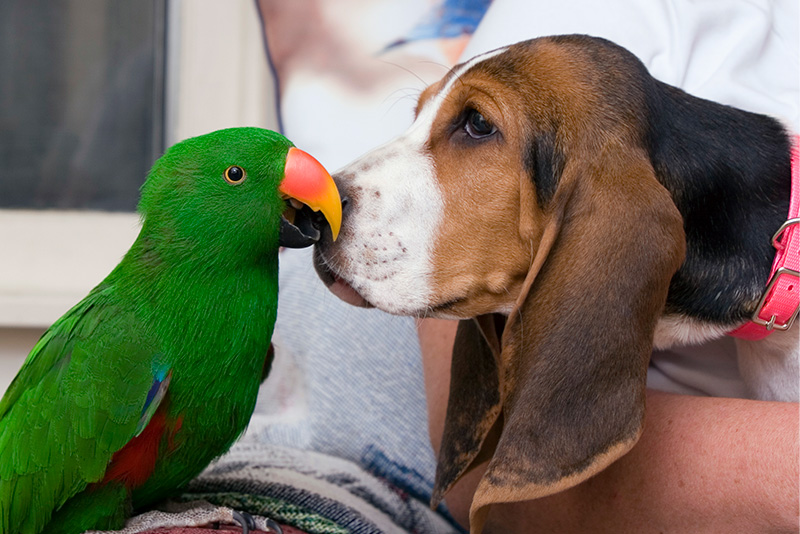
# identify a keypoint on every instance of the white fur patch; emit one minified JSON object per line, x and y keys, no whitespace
{"x":679,"y":330}
{"x":386,"y":256}
{"x":420,"y":131}
{"x":398,"y":207}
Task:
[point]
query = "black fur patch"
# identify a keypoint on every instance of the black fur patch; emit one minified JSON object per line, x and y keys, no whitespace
{"x":729,"y":174}
{"x":545,"y":163}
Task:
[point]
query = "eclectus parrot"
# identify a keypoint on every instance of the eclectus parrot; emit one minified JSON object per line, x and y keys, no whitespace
{"x":155,"y":373}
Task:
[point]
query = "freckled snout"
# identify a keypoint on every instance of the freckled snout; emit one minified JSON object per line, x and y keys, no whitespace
{"x":390,"y":210}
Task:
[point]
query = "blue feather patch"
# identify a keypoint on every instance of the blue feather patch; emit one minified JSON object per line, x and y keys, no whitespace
{"x":154,"y":398}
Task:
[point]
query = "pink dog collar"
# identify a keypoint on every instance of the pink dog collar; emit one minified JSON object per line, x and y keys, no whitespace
{"x":780,"y":304}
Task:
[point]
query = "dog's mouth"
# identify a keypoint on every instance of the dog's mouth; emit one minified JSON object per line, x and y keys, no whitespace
{"x":336,"y":284}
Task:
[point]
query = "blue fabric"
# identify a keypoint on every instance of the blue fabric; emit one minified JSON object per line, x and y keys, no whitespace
{"x":451,"y":18}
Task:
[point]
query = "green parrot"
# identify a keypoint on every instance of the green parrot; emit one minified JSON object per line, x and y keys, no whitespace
{"x":155,"y":373}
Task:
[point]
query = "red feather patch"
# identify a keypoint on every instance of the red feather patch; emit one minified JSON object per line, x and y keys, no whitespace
{"x":133,"y":464}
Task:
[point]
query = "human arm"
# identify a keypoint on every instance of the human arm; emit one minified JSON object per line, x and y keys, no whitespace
{"x":702,"y":465}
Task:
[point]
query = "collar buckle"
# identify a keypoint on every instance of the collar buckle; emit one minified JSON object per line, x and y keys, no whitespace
{"x":776,"y":238}
{"x":771,"y":324}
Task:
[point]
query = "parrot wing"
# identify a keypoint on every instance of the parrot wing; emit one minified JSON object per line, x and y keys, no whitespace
{"x":84,"y":391}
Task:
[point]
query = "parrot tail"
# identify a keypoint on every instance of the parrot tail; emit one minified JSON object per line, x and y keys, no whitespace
{"x":98,"y":507}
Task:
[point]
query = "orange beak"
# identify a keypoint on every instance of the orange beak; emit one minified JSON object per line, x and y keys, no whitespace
{"x":307,"y":181}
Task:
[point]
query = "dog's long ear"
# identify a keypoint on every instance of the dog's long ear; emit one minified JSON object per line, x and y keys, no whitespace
{"x":474,"y":403}
{"x":576,"y":348}
{"x":570,"y":377}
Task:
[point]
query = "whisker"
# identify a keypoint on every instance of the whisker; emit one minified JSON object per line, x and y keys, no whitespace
{"x":409,"y":93}
{"x":401,"y":67}
{"x":400,"y":99}
{"x":438,"y":64}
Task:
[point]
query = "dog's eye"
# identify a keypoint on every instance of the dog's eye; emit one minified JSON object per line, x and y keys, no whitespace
{"x":477,"y":126}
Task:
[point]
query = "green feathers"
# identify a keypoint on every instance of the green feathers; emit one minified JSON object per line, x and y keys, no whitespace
{"x":190,"y":207}
{"x":155,"y":373}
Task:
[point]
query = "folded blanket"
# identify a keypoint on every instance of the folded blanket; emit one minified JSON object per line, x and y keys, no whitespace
{"x":305,"y":490}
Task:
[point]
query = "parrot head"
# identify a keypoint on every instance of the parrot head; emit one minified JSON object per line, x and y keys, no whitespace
{"x":239,"y":190}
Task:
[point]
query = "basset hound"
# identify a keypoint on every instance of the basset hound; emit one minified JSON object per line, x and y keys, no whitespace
{"x":575,"y":213}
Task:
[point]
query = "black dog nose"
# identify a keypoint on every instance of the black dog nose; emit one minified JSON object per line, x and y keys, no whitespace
{"x":347,"y":193}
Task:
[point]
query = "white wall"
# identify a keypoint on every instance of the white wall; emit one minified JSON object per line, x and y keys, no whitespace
{"x":217,"y":77}
{"x":14,"y":345}
{"x":217,"y":74}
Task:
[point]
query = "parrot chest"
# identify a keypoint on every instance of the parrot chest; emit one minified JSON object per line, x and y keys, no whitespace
{"x":215,"y":371}
{"x":190,"y":430}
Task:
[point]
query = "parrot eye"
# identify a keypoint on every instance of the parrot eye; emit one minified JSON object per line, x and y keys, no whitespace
{"x":234,"y":175}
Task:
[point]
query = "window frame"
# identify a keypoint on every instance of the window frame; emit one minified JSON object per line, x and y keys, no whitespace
{"x":50,"y":259}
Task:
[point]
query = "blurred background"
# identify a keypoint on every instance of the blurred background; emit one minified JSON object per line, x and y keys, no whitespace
{"x":91,"y":92}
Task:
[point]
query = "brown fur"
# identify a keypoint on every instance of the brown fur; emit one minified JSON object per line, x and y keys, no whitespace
{"x":561,"y":237}
{"x":580,"y":330}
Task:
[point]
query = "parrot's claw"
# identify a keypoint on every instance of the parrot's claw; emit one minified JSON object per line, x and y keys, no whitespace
{"x":248,"y":523}
{"x":246,"y":520}
{"x":274,"y":527}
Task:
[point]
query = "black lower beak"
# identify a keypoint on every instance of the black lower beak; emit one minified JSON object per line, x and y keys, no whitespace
{"x":304,"y":232}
